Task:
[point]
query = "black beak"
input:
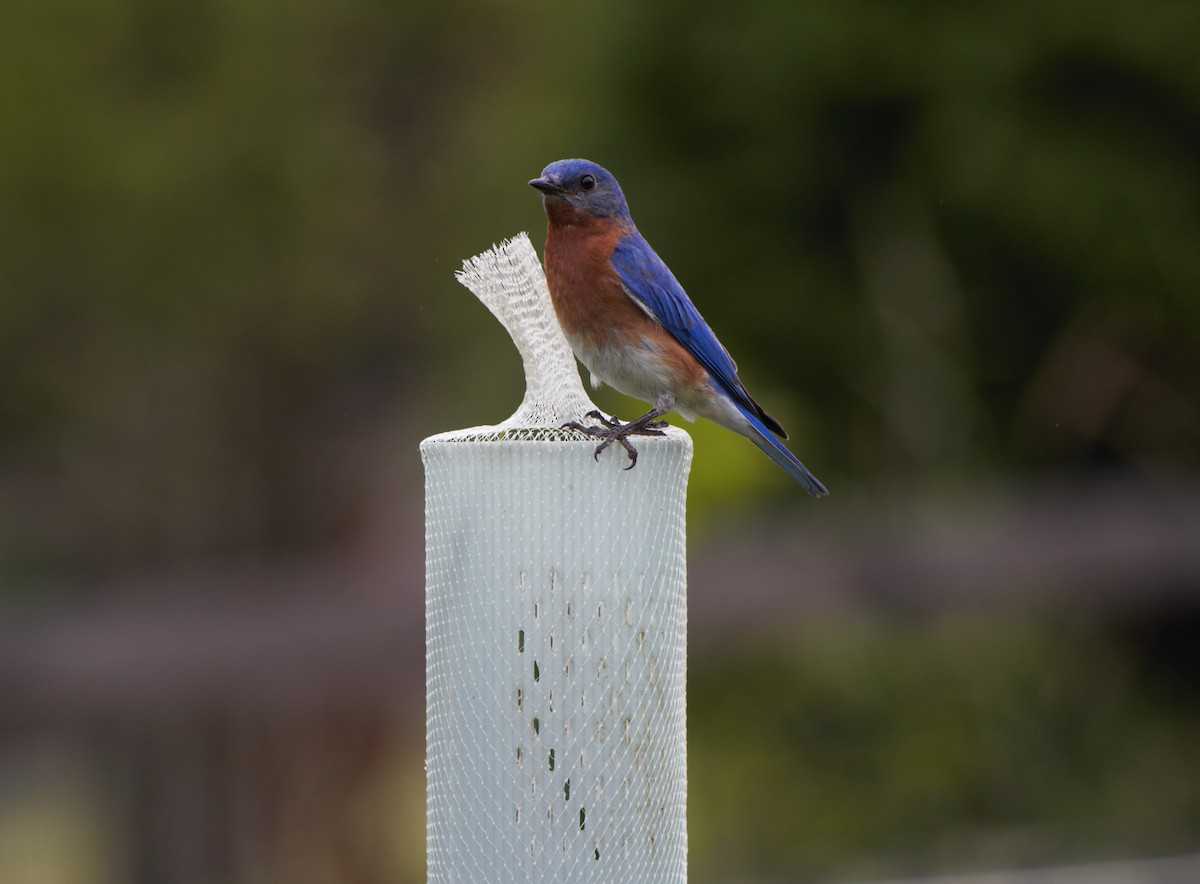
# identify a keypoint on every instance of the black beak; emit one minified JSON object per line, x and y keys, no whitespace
{"x":545,"y":185}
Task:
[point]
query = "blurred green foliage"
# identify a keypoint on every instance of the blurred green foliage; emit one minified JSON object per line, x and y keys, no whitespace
{"x":954,"y":745}
{"x":942,"y":241}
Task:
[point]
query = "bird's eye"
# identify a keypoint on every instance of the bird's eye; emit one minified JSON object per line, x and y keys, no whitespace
{"x":587,"y":182}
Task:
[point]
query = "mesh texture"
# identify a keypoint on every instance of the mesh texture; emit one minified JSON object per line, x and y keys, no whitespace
{"x":556,"y":624}
{"x":508,"y":279}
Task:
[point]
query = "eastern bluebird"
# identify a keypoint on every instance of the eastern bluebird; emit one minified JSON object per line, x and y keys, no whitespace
{"x":631,"y":324}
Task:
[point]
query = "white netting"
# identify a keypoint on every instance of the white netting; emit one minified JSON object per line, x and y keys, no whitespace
{"x":555,"y":627}
{"x":508,"y":279}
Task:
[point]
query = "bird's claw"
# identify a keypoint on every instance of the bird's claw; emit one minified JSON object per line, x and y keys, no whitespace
{"x":615,"y":431}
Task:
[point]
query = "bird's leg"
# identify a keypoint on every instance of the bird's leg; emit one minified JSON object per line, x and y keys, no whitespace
{"x":615,"y":431}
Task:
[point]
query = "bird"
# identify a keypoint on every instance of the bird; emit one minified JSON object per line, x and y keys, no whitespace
{"x":631,"y":324}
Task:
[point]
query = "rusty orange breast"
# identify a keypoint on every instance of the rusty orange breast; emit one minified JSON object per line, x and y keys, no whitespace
{"x":584,"y":287}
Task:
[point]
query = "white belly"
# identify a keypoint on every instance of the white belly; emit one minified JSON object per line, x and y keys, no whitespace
{"x":641,"y":372}
{"x":636,"y":371}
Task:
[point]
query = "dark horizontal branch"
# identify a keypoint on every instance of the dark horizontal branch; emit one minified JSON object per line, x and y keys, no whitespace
{"x":349,"y":628}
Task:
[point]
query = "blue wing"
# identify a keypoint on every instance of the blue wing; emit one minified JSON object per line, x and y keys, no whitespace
{"x":651,"y":284}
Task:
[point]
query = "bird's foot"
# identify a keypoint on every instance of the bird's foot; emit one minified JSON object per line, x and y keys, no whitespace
{"x":612,"y":430}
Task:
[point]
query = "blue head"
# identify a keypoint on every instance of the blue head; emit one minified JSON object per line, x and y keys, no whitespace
{"x":580,"y":187}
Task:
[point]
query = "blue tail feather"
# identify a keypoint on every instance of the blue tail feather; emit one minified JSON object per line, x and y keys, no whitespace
{"x":778,"y":452}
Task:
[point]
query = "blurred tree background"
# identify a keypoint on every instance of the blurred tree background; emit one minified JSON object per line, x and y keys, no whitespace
{"x":956,"y":249}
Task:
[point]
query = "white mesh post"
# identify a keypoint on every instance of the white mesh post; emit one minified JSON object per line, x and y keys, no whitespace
{"x":556,"y":628}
